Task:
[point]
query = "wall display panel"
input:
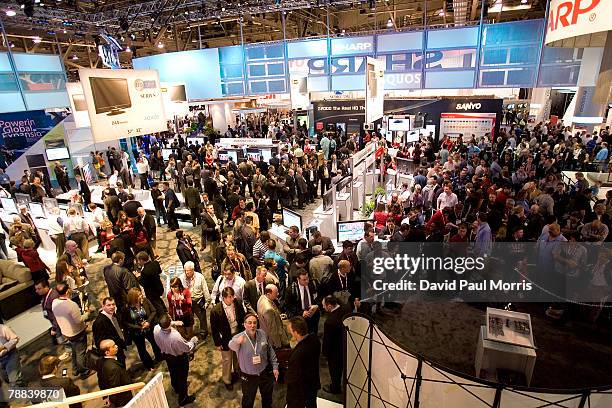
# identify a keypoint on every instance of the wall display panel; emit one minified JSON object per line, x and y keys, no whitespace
{"x":517,"y":32}
{"x":78,"y":105}
{"x":38,"y":63}
{"x":123,"y":103}
{"x":554,"y":75}
{"x":43,"y":82}
{"x":402,"y":80}
{"x":8,"y":82}
{"x":45,"y":100}
{"x":307,"y":48}
{"x":449,"y":79}
{"x":269,"y":51}
{"x":399,"y":42}
{"x":5,"y":64}
{"x":479,"y":124}
{"x":318,"y":84}
{"x":277,"y":86}
{"x":449,"y":59}
{"x":11,"y":102}
{"x":230,"y":55}
{"x":232,"y":71}
{"x":352,"y":45}
{"x":507,"y":77}
{"x":188,"y":67}
{"x":453,"y":38}
{"x":510,"y":56}
{"x":233,"y":88}
{"x":348,"y":83}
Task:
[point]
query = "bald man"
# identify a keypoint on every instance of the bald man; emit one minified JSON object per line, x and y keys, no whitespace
{"x":270,"y":319}
{"x":342,"y":284}
{"x":111,"y":373}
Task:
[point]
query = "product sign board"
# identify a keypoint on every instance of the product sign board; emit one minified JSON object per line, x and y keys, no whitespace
{"x":573,"y":18}
{"x":123,"y":103}
{"x":78,"y":106}
{"x":174,"y":95}
{"x":375,"y":90}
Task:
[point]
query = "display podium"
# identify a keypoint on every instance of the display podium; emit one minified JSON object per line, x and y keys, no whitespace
{"x":325,"y":222}
{"x":358,"y":195}
{"x":344,"y":207}
{"x":505,"y":342}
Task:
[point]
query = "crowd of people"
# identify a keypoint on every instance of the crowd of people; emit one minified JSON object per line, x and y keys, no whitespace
{"x":255,"y":295}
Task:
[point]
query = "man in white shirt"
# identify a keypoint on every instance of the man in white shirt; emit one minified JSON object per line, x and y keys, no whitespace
{"x":142,"y":166}
{"x":75,"y":229}
{"x":200,"y":295}
{"x":73,"y":327}
{"x":447,"y":198}
{"x":228,"y":278}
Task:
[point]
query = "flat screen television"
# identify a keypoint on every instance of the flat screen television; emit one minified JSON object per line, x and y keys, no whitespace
{"x":166,"y":154}
{"x":22,"y":199}
{"x":110,"y":95}
{"x":8,"y":204}
{"x":350,"y":230}
{"x":177,"y":93}
{"x":291,"y":218}
{"x":399,"y":124}
{"x":266,"y":154}
{"x":233,"y":154}
{"x":253,"y":153}
{"x":328,"y":199}
{"x":36,"y":210}
{"x":343,"y":183}
{"x":223,"y":157}
{"x":58,"y":153}
{"x":79,"y":102}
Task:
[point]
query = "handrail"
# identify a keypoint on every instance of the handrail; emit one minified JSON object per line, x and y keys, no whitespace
{"x":91,"y":396}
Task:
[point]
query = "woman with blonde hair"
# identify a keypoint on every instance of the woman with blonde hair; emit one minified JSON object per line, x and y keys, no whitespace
{"x":139,"y":319}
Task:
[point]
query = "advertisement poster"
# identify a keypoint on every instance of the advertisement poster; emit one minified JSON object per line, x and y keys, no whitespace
{"x":20,"y":130}
{"x":478,"y":124}
{"x":78,"y":106}
{"x":375,"y":90}
{"x":123,"y":103}
{"x":577,"y":18}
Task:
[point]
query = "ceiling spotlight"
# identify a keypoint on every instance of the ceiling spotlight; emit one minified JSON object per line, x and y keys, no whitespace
{"x":222,"y":8}
{"x":22,"y":6}
{"x":12,"y":44}
{"x":523,"y":1}
{"x":152,"y":18}
{"x":127,"y":49}
{"x":65,"y":31}
{"x":74,"y":57}
{"x":37,"y":39}
{"x":441,"y":13}
{"x":389,"y":23}
{"x":36,"y":1}
{"x":133,"y":36}
{"x":186,"y":12}
{"x":160,"y":45}
{"x":11,"y":13}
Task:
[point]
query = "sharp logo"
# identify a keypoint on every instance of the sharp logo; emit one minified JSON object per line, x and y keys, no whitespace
{"x":468,"y":106}
{"x":362,"y":46}
{"x":567,"y":12}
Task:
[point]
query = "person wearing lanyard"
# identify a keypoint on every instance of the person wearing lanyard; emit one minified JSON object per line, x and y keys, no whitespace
{"x":257,"y":361}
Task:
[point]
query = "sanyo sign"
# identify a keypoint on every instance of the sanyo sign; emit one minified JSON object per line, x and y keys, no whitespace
{"x":468,"y":106}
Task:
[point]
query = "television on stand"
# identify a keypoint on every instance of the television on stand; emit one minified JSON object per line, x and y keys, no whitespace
{"x":110,"y":95}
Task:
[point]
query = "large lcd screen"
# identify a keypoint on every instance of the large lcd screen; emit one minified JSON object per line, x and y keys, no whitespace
{"x":233,"y":154}
{"x":291,"y":219}
{"x":58,"y":153}
{"x":328,"y":199}
{"x":399,"y":124}
{"x":166,"y":154}
{"x":266,"y":154}
{"x":350,"y":230}
{"x":343,"y":183}
{"x":253,"y":153}
{"x":36,"y":209}
{"x":177,"y":93}
{"x":8,"y":204}
{"x":110,"y":94}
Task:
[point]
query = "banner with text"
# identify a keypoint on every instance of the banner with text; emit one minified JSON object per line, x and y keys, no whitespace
{"x":375,"y":89}
{"x":123,"y":103}
{"x":567,"y":19}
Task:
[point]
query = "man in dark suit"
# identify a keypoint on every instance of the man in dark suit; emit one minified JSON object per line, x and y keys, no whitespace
{"x":301,"y":300}
{"x":83,"y":189}
{"x":131,"y":206}
{"x":112,"y":205}
{"x":302,"y":376}
{"x":332,"y":342}
{"x":119,"y":280}
{"x":193,"y":201}
{"x":122,"y":243}
{"x":342,"y":284}
{"x":111,"y":373}
{"x":151,"y":281}
{"x":211,"y":230}
{"x":148,"y":223}
{"x":255,"y":288}
{"x":171,"y":202}
{"x":186,"y":251}
{"x":324,"y":174}
{"x":223,"y":330}
{"x":106,"y":326}
{"x":47,"y":367}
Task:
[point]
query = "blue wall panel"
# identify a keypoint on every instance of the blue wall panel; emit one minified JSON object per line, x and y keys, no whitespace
{"x":453,"y":38}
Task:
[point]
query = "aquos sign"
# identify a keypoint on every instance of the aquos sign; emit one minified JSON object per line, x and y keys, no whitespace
{"x":574,"y":18}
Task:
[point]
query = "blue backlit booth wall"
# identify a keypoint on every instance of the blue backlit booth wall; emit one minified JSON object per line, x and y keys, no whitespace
{"x":508,"y":55}
{"x":31,"y":82}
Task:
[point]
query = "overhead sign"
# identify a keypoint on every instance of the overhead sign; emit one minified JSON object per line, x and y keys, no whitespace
{"x":123,"y":103}
{"x":574,"y":18}
{"x":375,"y":89}
{"x":174,"y":96}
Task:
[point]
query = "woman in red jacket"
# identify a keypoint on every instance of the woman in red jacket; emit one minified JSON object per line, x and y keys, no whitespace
{"x":31,"y":259}
{"x":380,"y":217}
{"x":179,"y":305}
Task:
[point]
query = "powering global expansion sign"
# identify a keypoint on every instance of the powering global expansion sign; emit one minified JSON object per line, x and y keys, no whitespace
{"x":574,"y":18}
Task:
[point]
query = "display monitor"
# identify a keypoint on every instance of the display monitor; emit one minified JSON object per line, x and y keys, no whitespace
{"x":343,"y":183}
{"x":177,"y":93}
{"x":233,"y":154}
{"x":223,"y":157}
{"x":58,"y":153}
{"x":291,"y":218}
{"x":110,"y":95}
{"x":79,"y":102}
{"x":166,"y":154}
{"x":253,"y":153}
{"x":399,"y":124}
{"x":266,"y":154}
{"x":22,"y":199}
{"x":36,"y":210}
{"x":328,"y":199}
{"x":8,"y":204}
{"x":350,"y":230}
{"x":403,"y":165}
